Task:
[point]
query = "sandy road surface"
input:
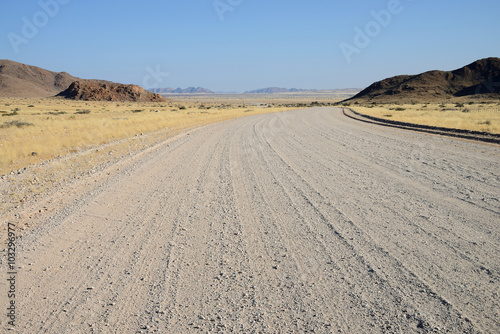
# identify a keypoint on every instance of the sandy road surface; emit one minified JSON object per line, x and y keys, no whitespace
{"x":304,"y":221}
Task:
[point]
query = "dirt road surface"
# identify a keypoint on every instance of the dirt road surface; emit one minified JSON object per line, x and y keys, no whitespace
{"x":303,"y":221}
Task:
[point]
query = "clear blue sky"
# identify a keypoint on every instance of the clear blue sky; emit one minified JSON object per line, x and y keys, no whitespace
{"x":256,"y":44}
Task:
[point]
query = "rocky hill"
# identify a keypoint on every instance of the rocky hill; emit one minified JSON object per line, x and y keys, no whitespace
{"x":91,"y":91}
{"x":480,"y":79}
{"x":20,"y":80}
{"x":189,"y":90}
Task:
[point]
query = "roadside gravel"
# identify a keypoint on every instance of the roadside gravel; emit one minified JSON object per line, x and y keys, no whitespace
{"x":294,"y":222}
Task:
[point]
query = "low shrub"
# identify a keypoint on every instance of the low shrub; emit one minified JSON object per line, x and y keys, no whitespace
{"x":14,"y":113}
{"x":18,"y":124}
{"x":83,"y":112}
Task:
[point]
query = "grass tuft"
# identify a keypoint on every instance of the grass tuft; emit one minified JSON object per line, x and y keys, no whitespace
{"x":18,"y":124}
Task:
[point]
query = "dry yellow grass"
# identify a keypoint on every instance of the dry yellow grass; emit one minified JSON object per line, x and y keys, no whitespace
{"x":58,"y":127}
{"x":476,"y":117}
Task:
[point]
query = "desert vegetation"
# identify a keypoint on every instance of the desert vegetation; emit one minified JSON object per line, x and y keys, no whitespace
{"x":32,"y":130}
{"x":474,"y":116}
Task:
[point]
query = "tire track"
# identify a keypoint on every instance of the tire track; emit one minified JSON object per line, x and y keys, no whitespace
{"x":303,"y":221}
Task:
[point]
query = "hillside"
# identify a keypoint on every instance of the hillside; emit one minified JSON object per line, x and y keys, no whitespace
{"x":480,"y":79}
{"x":189,"y":90}
{"x":91,"y":91}
{"x":20,"y":80}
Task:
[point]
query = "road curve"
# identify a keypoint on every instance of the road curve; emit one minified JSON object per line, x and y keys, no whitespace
{"x":302,"y":221}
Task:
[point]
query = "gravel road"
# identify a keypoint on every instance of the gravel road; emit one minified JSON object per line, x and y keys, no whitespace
{"x":302,"y":221}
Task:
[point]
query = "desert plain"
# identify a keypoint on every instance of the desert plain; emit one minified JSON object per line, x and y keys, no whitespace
{"x":259,"y":215}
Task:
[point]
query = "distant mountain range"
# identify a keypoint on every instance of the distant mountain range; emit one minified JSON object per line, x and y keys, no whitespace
{"x":269,"y":90}
{"x":273,"y":90}
{"x":480,"y":79}
{"x":189,"y":90}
